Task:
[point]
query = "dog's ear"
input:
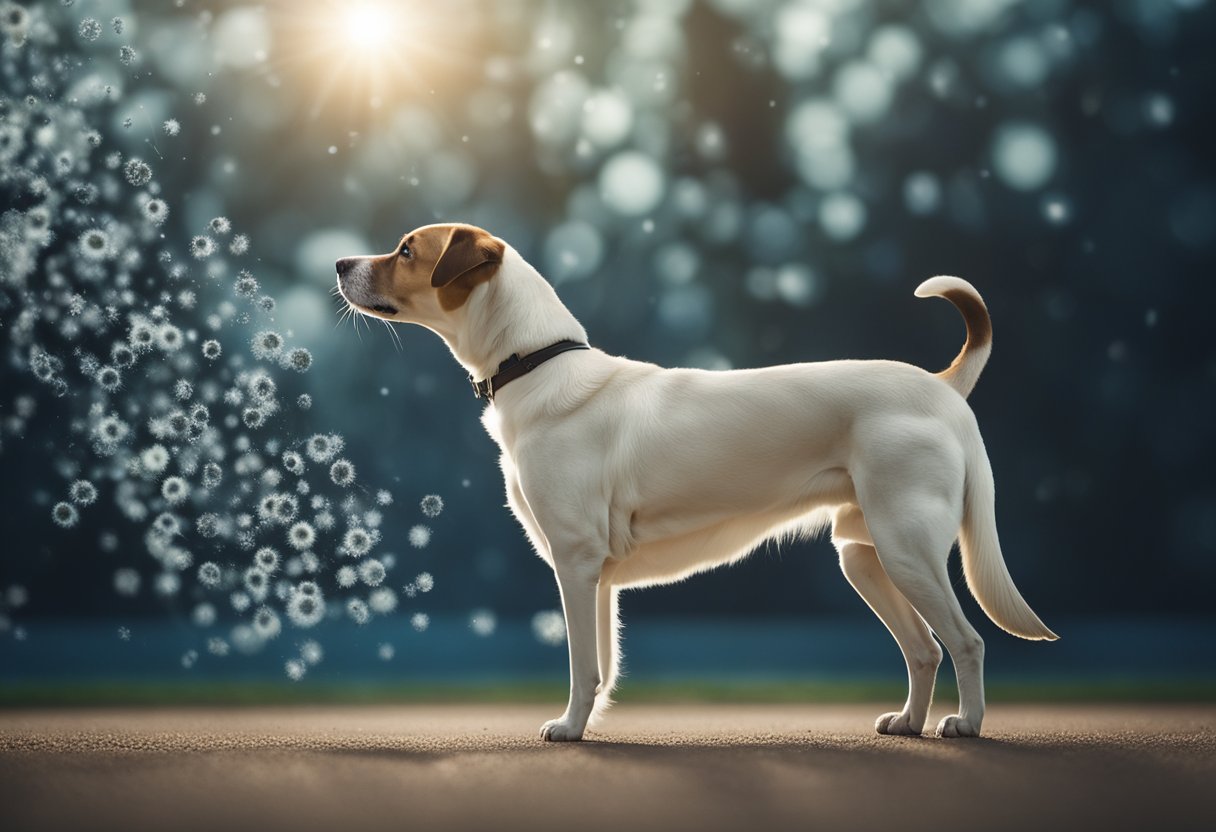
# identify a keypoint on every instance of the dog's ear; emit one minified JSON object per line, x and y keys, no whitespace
{"x":466,"y":249}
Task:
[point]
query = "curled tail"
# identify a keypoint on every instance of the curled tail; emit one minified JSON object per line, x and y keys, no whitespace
{"x":983,"y":564}
{"x":964,"y":371}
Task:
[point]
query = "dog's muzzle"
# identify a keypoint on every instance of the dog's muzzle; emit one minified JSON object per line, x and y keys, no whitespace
{"x":353,"y":275}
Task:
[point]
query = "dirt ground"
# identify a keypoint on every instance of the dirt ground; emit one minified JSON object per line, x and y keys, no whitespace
{"x":666,"y":767}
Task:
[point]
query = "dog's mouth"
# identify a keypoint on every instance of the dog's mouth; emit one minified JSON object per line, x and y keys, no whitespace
{"x":380,"y":308}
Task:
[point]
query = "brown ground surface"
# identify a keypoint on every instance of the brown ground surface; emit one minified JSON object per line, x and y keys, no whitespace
{"x":668,"y":767}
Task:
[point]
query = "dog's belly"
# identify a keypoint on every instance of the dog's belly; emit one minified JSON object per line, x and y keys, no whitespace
{"x":691,"y":504}
{"x":675,"y":558}
{"x":670,"y":547}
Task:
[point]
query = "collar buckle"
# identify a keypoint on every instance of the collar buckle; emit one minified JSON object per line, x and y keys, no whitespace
{"x":482,"y":389}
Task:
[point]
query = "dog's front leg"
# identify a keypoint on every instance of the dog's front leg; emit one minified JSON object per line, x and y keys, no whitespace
{"x":577,"y":578}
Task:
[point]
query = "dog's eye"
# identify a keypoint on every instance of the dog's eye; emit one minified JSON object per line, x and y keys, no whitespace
{"x":405,"y":250}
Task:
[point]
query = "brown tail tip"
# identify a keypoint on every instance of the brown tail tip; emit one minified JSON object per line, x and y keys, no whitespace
{"x":964,"y":371}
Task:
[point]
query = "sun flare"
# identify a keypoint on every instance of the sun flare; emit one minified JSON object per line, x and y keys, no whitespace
{"x":369,"y":26}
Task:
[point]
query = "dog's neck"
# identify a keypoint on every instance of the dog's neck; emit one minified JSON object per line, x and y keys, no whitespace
{"x":516,"y":312}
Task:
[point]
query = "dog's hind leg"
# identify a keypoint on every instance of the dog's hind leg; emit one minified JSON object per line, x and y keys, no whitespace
{"x":608,"y":649}
{"x":861,"y":566}
{"x":913,"y":535}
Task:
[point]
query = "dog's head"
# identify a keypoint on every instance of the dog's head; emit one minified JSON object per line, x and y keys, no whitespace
{"x":426,"y":278}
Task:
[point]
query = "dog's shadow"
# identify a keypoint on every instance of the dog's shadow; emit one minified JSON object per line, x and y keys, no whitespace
{"x":813,"y":750}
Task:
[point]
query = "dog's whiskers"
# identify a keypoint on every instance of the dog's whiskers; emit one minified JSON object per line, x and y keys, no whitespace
{"x":392,"y":334}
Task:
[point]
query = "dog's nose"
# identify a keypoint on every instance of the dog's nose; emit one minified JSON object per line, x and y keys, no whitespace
{"x":343,"y":265}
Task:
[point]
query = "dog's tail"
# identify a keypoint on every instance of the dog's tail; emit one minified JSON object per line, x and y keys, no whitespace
{"x":964,"y":371}
{"x":983,"y":564}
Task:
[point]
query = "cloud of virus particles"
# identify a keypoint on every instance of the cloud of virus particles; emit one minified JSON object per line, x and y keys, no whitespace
{"x":178,"y":390}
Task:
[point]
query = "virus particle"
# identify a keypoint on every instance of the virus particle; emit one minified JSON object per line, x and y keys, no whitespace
{"x":65,"y":515}
{"x":257,"y":582}
{"x":89,"y":29}
{"x":203,"y":615}
{"x":295,"y":669}
{"x":301,"y":536}
{"x":483,"y":622}
{"x":83,"y":493}
{"x":108,"y":378}
{"x":172,"y":127}
{"x":420,"y":536}
{"x":122,"y":355}
{"x":262,"y":387}
{"x":549,"y":627}
{"x":154,"y":459}
{"x":293,"y":462}
{"x":297,"y":358}
{"x":126,"y":582}
{"x":94,"y":245}
{"x":137,"y":172}
{"x":141,"y":337}
{"x":246,"y":285}
{"x":266,"y":344}
{"x":209,"y":575}
{"x":346,"y":577}
{"x":266,"y":623}
{"x":319,"y":447}
{"x":432,"y":505}
{"x":267,"y":560}
{"x":202,"y":247}
{"x":306,"y":608}
{"x":212,"y":475}
{"x":175,"y":490}
{"x":382,"y":600}
{"x":358,"y":611}
{"x":311,"y":652}
{"x":420,"y":621}
{"x":169,"y":337}
{"x":372,"y":572}
{"x":166,"y":525}
{"x":342,"y":473}
{"x":356,"y":543}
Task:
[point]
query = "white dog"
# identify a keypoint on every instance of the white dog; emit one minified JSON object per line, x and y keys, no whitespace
{"x":626,"y":474}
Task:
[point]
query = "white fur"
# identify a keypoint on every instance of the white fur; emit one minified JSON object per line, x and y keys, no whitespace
{"x":626,"y":474}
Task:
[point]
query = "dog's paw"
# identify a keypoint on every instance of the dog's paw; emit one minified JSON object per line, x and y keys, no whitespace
{"x":559,"y":730}
{"x":956,"y":726}
{"x":896,"y":724}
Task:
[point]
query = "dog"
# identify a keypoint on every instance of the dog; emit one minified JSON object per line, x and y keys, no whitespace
{"x":626,"y":474}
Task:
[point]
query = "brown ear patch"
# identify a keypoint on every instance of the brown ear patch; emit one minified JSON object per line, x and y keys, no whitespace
{"x":470,"y":258}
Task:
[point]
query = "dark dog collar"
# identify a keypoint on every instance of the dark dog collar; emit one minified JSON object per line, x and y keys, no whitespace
{"x":517,"y":365}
